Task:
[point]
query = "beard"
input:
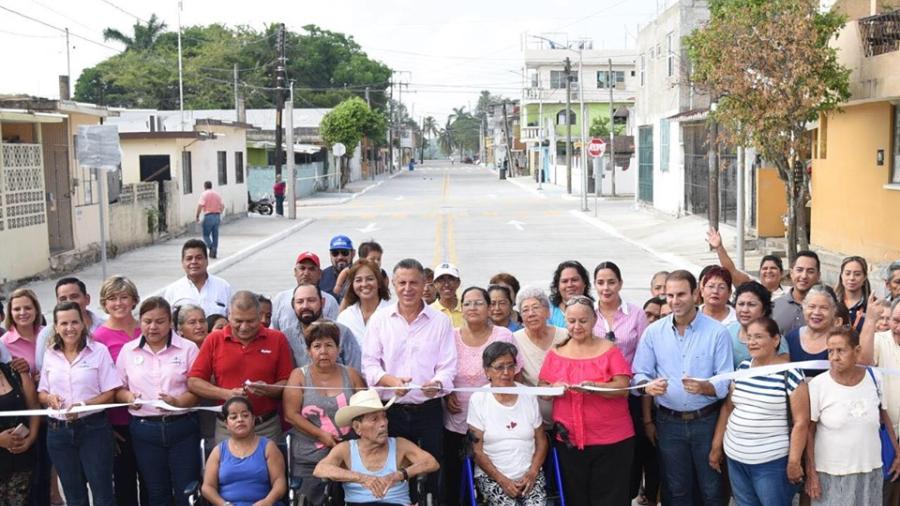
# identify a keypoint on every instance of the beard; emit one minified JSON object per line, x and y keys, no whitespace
{"x":307,"y":317}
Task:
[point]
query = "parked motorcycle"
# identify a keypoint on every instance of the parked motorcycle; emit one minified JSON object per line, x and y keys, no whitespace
{"x":262,"y":206}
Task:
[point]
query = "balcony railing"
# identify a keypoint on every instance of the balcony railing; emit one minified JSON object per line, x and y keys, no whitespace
{"x":880,"y":34}
{"x":530,"y":134}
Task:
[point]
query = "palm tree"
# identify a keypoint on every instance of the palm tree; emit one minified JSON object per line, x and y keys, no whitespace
{"x":144,"y":35}
{"x":430,"y":126}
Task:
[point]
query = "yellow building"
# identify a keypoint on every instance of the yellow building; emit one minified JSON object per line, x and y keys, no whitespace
{"x":855,"y":184}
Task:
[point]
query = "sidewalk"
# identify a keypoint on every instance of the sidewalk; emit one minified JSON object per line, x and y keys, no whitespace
{"x":351,"y":191}
{"x":154,"y":267}
{"x":680,"y":241}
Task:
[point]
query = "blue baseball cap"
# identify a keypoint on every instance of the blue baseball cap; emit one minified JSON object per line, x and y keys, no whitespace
{"x":341,"y":242}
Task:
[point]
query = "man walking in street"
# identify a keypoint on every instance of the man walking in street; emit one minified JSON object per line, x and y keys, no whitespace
{"x":410,"y":343}
{"x":244,"y":358}
{"x":278,"y":190}
{"x":787,"y":310}
{"x":446,"y":281}
{"x":673,"y":350}
{"x":307,"y":304}
{"x":342,"y":254}
{"x":212,"y":207}
{"x":198,"y":286}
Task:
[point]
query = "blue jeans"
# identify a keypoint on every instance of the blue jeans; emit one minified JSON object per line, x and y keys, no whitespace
{"x":763,"y":484}
{"x":684,"y":456}
{"x":168,"y":456}
{"x":83,"y":449}
{"x":211,"y":231}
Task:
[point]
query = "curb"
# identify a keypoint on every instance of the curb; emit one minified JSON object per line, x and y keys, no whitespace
{"x":355,"y":195}
{"x":676,"y":260}
{"x":234,"y":258}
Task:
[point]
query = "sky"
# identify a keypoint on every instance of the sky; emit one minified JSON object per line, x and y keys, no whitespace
{"x":446,"y":51}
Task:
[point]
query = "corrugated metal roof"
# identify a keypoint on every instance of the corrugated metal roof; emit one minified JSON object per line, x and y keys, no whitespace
{"x":138,"y":120}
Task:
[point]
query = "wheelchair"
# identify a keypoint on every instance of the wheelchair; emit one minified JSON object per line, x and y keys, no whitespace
{"x":551,"y":469}
{"x":292,"y":498}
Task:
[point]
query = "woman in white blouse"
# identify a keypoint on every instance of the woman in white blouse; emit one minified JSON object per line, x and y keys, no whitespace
{"x":368,"y":291}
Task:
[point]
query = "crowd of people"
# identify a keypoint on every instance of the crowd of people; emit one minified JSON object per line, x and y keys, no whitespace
{"x":385,"y":379}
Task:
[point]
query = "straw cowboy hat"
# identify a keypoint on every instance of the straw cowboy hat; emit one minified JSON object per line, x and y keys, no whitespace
{"x":361,"y":403}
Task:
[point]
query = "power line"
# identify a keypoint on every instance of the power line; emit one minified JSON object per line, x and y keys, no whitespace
{"x":58,"y":29}
{"x":114,"y":6}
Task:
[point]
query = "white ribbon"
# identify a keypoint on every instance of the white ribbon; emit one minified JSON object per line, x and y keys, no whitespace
{"x":96,"y":408}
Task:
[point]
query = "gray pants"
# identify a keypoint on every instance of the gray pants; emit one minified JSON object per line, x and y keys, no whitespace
{"x":271,"y":429}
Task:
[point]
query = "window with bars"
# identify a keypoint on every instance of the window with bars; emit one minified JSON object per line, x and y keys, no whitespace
{"x":239,"y":167}
{"x":222,"y":157}
{"x":187,"y":173}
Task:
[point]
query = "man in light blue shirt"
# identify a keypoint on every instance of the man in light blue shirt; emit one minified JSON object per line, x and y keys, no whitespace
{"x":674,"y":357}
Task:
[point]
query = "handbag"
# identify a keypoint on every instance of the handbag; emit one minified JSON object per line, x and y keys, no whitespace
{"x":887,"y":446}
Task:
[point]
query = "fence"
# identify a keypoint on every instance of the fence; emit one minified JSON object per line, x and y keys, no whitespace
{"x":310,"y":177}
{"x":134,"y":220}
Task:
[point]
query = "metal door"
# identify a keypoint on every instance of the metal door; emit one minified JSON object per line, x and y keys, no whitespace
{"x":57,"y":183}
{"x":645,"y":163}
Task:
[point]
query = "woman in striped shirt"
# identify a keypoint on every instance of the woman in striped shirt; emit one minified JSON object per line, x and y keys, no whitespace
{"x":763,"y":425}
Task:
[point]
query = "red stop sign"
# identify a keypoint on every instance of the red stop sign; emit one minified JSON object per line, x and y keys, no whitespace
{"x":596,"y":148}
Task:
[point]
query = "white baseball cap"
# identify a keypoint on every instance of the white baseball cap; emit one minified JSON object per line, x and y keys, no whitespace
{"x":446,"y":269}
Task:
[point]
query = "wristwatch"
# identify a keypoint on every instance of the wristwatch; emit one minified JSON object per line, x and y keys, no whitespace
{"x":404,"y":473}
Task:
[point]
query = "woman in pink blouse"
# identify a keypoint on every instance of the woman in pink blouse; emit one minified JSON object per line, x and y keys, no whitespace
{"x":78,"y":371}
{"x":471,"y":339}
{"x":598,"y":466}
{"x":23,"y":324}
{"x":119,"y":297}
{"x":154,"y":367}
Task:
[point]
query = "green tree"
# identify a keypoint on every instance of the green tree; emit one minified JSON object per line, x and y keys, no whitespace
{"x":144,"y":35}
{"x":770,"y":64}
{"x":429,"y":126}
{"x":349,"y":121}
{"x":600,"y":127}
{"x":326,"y":67}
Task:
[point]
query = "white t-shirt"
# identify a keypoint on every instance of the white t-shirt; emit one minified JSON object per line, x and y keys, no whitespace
{"x":532,"y":361}
{"x":848,"y":418}
{"x":352,"y":318}
{"x":214,"y":297}
{"x":508,"y":431}
{"x":887,"y":355}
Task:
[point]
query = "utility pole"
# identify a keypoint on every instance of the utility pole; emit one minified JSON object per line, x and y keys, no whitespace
{"x":372,"y":163}
{"x":237,"y":98}
{"x":508,"y":162}
{"x":180,"y":71}
{"x":741,"y":174}
{"x":289,"y":141}
{"x":582,"y":127}
{"x":391,"y":131}
{"x":68,"y":65}
{"x":279,"y":97}
{"x":540,"y":137}
{"x":611,"y":81}
{"x":568,"y":73}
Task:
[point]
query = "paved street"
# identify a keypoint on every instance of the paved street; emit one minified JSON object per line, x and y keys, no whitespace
{"x":462,"y":214}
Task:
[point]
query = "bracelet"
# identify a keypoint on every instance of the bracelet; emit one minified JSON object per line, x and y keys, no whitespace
{"x":404,"y":473}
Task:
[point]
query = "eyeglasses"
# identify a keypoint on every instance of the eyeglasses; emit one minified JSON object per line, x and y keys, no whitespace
{"x":445,"y":280}
{"x":340,"y":252}
{"x":580,"y":299}
{"x":502,"y":368}
{"x":473,"y":304}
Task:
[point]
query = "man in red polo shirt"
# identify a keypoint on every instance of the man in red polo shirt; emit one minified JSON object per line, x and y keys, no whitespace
{"x":244,"y":351}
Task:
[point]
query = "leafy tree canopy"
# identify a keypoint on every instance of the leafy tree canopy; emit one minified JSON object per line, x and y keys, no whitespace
{"x":326,"y":67}
{"x":349,"y":121}
{"x":769,"y":65}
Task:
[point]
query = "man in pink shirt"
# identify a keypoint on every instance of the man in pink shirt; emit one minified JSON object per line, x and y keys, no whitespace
{"x":211,"y":206}
{"x":410,"y":343}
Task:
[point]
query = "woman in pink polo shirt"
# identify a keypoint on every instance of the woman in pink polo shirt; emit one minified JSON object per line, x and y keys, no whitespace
{"x":23,"y":324}
{"x":79,"y":371}
{"x":598,"y":466}
{"x":119,"y":297}
{"x":154,"y":367}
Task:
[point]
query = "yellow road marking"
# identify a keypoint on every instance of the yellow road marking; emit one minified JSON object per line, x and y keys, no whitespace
{"x":451,"y":240}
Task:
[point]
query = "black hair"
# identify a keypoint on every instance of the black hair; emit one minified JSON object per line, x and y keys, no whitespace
{"x":238,"y":399}
{"x":555,"y":296}
{"x":72,"y":281}
{"x":611,"y":266}
{"x":368,"y":247}
{"x":683,"y":275}
{"x":809,"y":254}
{"x":654,"y":300}
{"x":762,"y":293}
{"x":774,"y":259}
{"x":496,"y":350}
{"x":484,"y":293}
{"x":194,"y":244}
{"x":207,"y":185}
{"x":500,"y":288}
{"x":211,"y":321}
